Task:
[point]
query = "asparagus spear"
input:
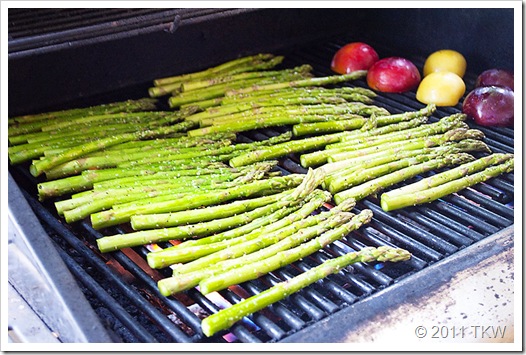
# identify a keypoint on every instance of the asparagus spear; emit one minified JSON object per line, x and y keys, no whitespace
{"x":255,"y":270}
{"x":391,"y":154}
{"x":283,"y":149}
{"x":244,"y":64}
{"x":283,"y":241}
{"x":98,"y":162}
{"x":456,"y":134}
{"x":346,"y":92}
{"x":264,"y":121}
{"x":229,"y":316}
{"x":257,"y":245}
{"x":219,"y":90}
{"x":346,"y":125}
{"x":39,"y":167}
{"x":112,"y":217}
{"x":347,"y":145}
{"x":448,"y":182}
{"x":283,"y":99}
{"x":34,"y":123}
{"x":349,"y":108}
{"x":171,"y":219}
{"x":363,"y":174}
{"x":320,"y":81}
{"x":206,"y":83}
{"x":200,"y":248}
{"x":376,"y":185}
{"x":79,"y":208}
{"x":119,"y":241}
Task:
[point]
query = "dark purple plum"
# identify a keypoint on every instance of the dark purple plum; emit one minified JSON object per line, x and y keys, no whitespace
{"x":490,"y":106}
{"x":495,"y":77}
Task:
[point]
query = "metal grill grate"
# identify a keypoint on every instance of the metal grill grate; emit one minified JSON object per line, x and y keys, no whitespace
{"x":431,"y":233}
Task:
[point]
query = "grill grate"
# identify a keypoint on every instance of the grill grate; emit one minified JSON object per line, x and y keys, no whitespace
{"x":431,"y":233}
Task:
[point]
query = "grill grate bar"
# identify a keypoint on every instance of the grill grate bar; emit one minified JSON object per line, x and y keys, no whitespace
{"x":478,"y":211}
{"x":501,"y":210}
{"x":472,"y":221}
{"x":284,"y":313}
{"x":452,"y":223}
{"x":186,"y":315}
{"x":122,"y":315}
{"x":311,"y":293}
{"x":271,"y":328}
{"x":135,"y":298}
{"x":439,"y":229}
{"x":414,"y":246}
{"x":376,"y":276}
{"x":417,"y":233}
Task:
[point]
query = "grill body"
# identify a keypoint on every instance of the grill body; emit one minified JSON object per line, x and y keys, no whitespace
{"x":113,"y":55}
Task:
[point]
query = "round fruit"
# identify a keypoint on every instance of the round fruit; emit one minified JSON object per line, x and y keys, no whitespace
{"x":445,"y":60}
{"x":393,"y":75}
{"x":495,"y":77}
{"x":441,"y":89}
{"x":490,"y":106}
{"x":353,"y":56}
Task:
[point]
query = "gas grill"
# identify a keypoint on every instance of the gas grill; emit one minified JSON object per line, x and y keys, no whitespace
{"x":63,"y":58}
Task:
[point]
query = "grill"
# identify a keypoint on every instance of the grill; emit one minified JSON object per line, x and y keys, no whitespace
{"x":114,"y":297}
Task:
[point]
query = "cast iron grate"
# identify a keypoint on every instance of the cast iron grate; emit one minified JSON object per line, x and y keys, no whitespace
{"x":431,"y":233}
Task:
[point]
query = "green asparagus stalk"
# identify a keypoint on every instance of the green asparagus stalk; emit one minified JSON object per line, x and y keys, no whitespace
{"x":255,"y":270}
{"x":112,"y":217}
{"x":229,"y":316}
{"x":345,"y":125}
{"x":95,"y":200}
{"x":132,"y":197}
{"x":244,"y":64}
{"x":220,"y":89}
{"x":41,"y":166}
{"x":294,"y":197}
{"x":259,"y":244}
{"x":223,"y":79}
{"x":277,"y":101}
{"x":378,"y":184}
{"x":317,"y":157}
{"x":359,"y":143}
{"x":356,"y":108}
{"x":254,"y":97}
{"x":172,"y":219}
{"x":362,"y":174}
{"x":144,"y":237}
{"x":447,"y":182}
{"x":183,"y":281}
{"x":200,"y":248}
{"x":385,"y":156}
{"x":442,"y":126}
{"x":282,"y":149}
{"x":320,"y":81}
{"x":456,"y":134}
{"x":34,"y":122}
{"x":145,"y":118}
{"x":263,"y":121}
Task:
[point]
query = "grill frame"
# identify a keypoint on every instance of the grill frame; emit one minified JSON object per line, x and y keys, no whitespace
{"x":354,"y":310}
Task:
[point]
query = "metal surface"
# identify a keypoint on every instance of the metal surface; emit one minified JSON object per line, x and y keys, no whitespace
{"x":37,"y":272}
